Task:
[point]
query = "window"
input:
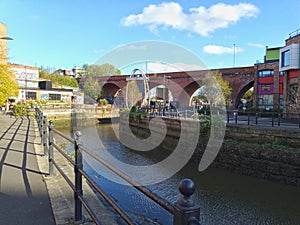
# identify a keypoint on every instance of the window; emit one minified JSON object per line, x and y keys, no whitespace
{"x":265,"y":101}
{"x":31,"y":95}
{"x":293,"y":93}
{"x":281,"y":101}
{"x":285,"y":58}
{"x":266,"y":73}
{"x":54,"y":97}
{"x":281,"y":73}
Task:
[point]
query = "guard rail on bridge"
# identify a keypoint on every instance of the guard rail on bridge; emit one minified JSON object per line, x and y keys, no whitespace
{"x":184,"y":211}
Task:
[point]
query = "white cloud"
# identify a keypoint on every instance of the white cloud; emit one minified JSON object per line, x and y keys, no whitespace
{"x":219,"y":50}
{"x":199,"y":20}
{"x":256,"y":45}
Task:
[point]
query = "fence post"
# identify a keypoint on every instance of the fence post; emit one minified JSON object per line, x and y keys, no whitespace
{"x":278,"y":119}
{"x":44,"y":136}
{"x":41,"y":123}
{"x":78,"y":177}
{"x":50,"y":147}
{"x":235,"y":117}
{"x":256,"y":118}
{"x":186,"y":212}
{"x":228,"y":119}
{"x":248,"y":118}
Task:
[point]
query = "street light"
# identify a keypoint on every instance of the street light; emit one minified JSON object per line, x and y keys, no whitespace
{"x":164,"y":89}
{"x":6,"y":38}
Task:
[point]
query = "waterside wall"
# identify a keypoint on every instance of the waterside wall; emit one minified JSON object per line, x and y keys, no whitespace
{"x":251,"y":150}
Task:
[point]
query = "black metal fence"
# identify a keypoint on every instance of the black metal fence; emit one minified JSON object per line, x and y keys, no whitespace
{"x":291,"y":120}
{"x":185,"y":211}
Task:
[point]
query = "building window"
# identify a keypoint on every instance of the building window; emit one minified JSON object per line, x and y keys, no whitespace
{"x":31,"y":95}
{"x":285,"y":58}
{"x":266,"y":73}
{"x":293,"y":94}
{"x":54,"y":97}
{"x":281,"y":101}
{"x":281,"y":73}
{"x":265,"y":101}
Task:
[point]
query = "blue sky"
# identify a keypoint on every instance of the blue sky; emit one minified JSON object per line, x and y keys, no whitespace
{"x":64,"y":34}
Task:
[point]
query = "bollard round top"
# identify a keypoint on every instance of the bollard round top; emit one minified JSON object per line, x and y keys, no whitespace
{"x":186,"y":187}
{"x":78,"y":134}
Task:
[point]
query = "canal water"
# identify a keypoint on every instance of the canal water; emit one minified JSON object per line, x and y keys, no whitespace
{"x":225,"y":198}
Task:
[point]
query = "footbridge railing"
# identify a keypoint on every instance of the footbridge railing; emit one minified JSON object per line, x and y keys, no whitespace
{"x":185,"y":211}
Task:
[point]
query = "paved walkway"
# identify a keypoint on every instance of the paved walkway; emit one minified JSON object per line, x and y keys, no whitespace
{"x":24,"y":197}
{"x":27,"y":194}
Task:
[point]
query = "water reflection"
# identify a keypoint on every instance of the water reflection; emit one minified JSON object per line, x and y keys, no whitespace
{"x":225,"y":198}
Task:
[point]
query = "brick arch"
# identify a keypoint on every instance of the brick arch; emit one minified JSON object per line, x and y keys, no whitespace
{"x":186,"y":94}
{"x":110,"y":89}
{"x":241,"y":93}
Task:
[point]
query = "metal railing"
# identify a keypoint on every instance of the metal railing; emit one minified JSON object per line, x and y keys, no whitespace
{"x":185,"y":211}
{"x":294,"y":33}
{"x":289,"y":120}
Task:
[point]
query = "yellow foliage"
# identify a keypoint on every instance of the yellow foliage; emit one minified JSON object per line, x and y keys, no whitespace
{"x":8,"y":85}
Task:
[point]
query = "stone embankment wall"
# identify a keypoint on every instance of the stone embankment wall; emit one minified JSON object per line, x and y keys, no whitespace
{"x":82,"y":112}
{"x":255,"y":151}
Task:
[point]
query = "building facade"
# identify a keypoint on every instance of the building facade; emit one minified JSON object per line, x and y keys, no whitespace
{"x":268,"y":83}
{"x":289,"y":64}
{"x":32,"y":88}
{"x":278,"y":77}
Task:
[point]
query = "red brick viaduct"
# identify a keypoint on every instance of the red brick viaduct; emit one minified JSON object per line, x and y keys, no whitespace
{"x":184,"y":84}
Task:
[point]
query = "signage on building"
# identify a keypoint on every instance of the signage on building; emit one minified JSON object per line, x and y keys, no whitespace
{"x":24,"y":73}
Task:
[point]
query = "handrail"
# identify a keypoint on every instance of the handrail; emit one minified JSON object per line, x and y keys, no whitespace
{"x":294,"y":33}
{"x":264,"y":119}
{"x":183,"y":214}
{"x":145,"y":191}
{"x":107,"y":198}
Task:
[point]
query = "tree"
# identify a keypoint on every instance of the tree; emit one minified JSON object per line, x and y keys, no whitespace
{"x":58,"y":80}
{"x":133,"y":94}
{"x":92,"y":88}
{"x":8,"y":85}
{"x":215,"y":89}
{"x":101,"y":70}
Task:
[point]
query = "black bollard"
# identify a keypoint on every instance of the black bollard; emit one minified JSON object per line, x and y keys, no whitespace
{"x":186,"y":212}
{"x":78,"y":177}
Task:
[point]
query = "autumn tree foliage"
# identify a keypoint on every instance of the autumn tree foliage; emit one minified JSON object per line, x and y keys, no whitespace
{"x":8,"y":85}
{"x":216,"y":90}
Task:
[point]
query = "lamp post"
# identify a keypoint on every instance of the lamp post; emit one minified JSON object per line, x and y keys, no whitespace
{"x":6,"y":38}
{"x":165,"y":89}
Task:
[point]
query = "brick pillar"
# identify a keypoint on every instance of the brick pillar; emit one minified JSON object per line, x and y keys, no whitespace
{"x":286,"y":93}
{"x":298,"y":100}
{"x":3,"y":47}
{"x":255,"y":87}
{"x":276,"y":97}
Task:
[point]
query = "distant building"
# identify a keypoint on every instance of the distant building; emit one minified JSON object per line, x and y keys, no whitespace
{"x":64,"y":72}
{"x":78,"y":71}
{"x":75,"y":72}
{"x":32,"y":88}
